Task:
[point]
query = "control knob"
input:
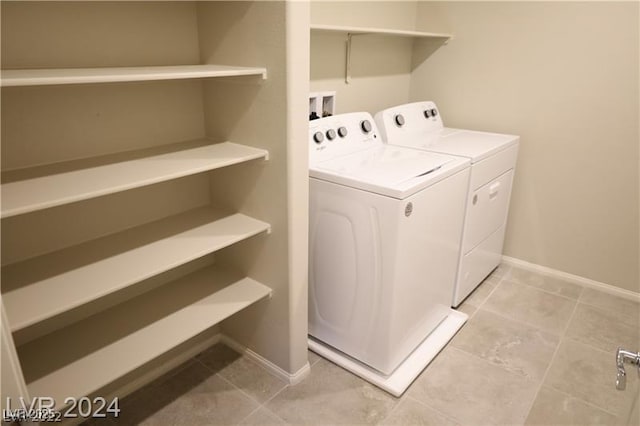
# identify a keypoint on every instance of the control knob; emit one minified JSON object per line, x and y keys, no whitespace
{"x":365,"y":125}
{"x":399,"y":120}
{"x":331,"y":134}
{"x":318,"y":137}
{"x":342,"y":132}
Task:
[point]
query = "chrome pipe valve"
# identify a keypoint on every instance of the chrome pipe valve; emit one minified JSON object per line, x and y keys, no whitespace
{"x":623,"y":356}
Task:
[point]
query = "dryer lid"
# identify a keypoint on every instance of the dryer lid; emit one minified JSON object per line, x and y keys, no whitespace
{"x":465,"y":143}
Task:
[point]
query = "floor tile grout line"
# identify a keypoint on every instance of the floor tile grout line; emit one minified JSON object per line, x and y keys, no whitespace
{"x":521,"y":323}
{"x":486,"y":361}
{"x":591,"y":404}
{"x":603,"y":352}
{"x":217,"y":373}
{"x":595,"y":348}
{"x":311,"y":364}
{"x":488,"y":277}
{"x":515,"y":281}
{"x":447,"y":416}
{"x":255,"y":410}
{"x":581,"y":286}
{"x":260,"y":405}
{"x":400,"y":401}
{"x":490,"y":293}
{"x":551,"y":361}
{"x":601,"y":309}
{"x":264,"y":404}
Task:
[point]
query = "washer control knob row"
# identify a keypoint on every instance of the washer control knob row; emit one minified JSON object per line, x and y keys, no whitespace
{"x":331,"y":134}
{"x":318,"y":137}
{"x":365,"y":125}
{"x":399,"y":120}
{"x":430,"y":112}
{"x":342,"y":131}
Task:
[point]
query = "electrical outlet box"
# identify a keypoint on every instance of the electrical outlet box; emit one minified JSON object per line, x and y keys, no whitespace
{"x":321,"y":104}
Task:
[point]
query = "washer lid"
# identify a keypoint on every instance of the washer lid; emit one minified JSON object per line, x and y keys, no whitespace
{"x":466,"y":143}
{"x":389,"y":170}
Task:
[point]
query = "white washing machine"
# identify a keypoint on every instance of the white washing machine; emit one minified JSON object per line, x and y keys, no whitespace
{"x":385,"y":229}
{"x":493,"y":160}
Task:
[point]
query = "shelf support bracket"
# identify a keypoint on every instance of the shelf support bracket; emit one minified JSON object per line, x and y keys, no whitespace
{"x":347,"y":71}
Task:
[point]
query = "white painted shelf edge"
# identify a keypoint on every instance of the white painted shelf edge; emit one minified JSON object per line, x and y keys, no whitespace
{"x":49,"y":191}
{"x":381,"y":31}
{"x":115,"y":262}
{"x":220,"y":294}
{"x":42,"y":77}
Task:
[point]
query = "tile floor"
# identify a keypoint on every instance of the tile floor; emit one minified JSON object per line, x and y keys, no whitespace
{"x":535,"y":351}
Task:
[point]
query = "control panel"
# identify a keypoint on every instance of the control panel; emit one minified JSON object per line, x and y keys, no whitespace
{"x":410,"y":120}
{"x":341,"y":134}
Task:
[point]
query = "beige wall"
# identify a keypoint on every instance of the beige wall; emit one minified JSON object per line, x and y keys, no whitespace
{"x":381,"y":66}
{"x":257,"y":114}
{"x":565,"y":77}
{"x":400,"y":15}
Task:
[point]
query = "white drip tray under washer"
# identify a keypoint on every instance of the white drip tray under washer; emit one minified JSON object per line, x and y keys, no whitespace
{"x":398,"y":381}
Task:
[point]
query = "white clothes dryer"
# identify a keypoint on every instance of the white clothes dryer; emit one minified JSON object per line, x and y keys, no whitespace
{"x":493,"y":160}
{"x":384,"y":241}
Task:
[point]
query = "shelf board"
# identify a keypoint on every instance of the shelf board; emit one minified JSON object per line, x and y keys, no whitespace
{"x":42,"y":77}
{"x":381,"y":31}
{"x":39,"y":193}
{"x":88,"y":355}
{"x":38,"y":289}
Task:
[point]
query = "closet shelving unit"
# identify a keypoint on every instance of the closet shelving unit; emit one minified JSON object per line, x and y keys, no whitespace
{"x":38,"y":289}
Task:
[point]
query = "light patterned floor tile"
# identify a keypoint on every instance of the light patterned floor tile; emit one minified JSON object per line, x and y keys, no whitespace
{"x":531,"y":306}
{"x":625,"y":309}
{"x":555,"y":408}
{"x":589,"y":374}
{"x":262,"y":417}
{"x":193,"y":396}
{"x":514,"y":346}
{"x":411,"y":412}
{"x":482,"y":292}
{"x":472,"y":391}
{"x":545,"y":282}
{"x":602,"y":329}
{"x":242,"y":372}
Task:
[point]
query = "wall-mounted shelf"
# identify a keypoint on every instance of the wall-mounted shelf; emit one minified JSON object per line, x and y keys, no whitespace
{"x":354,"y":31}
{"x":89,"y":354}
{"x":42,"y":77}
{"x":380,"y":31}
{"x":39,"y":193}
{"x":40,"y":288}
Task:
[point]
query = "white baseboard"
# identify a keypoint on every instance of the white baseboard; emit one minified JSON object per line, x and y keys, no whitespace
{"x":289,"y":378}
{"x":576,"y":279}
